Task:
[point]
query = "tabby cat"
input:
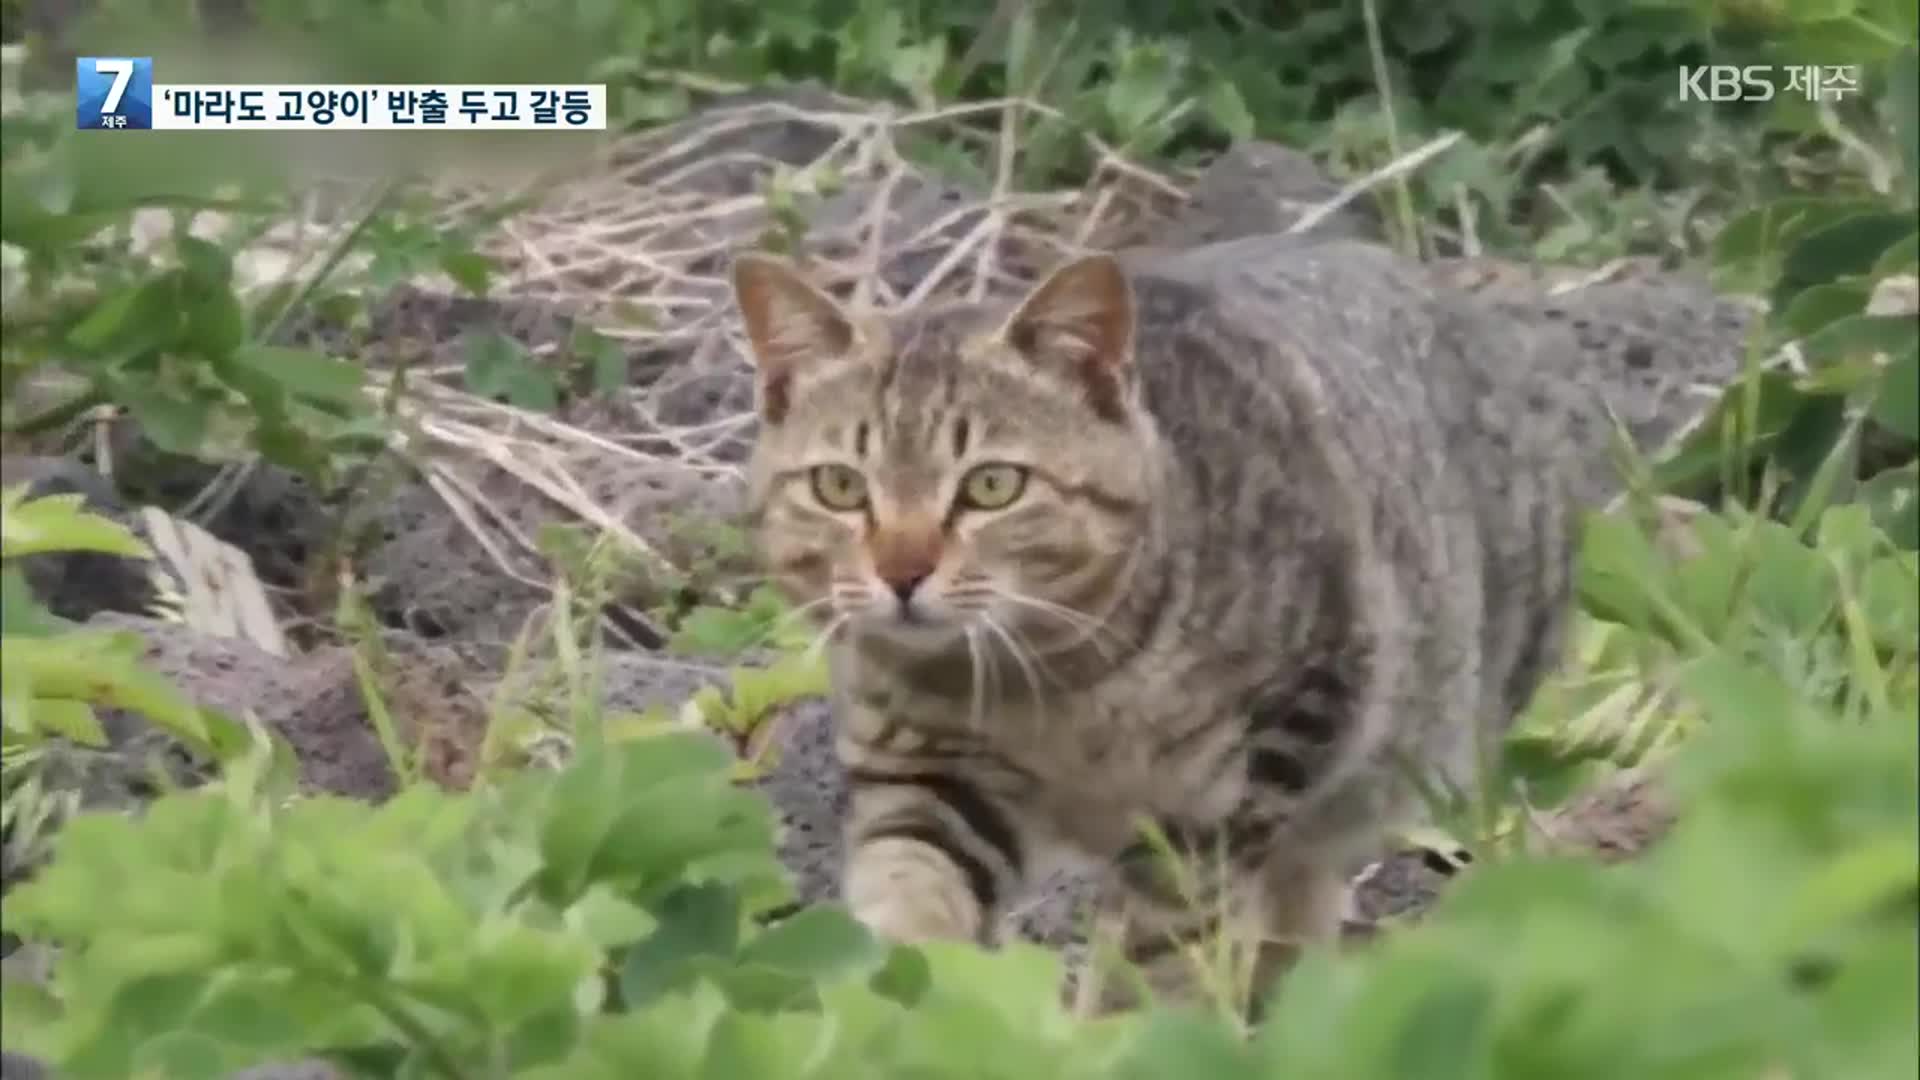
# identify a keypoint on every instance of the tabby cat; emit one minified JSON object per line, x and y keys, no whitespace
{"x":1231,"y":543}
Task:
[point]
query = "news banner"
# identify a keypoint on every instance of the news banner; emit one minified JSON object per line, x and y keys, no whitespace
{"x":117,"y":93}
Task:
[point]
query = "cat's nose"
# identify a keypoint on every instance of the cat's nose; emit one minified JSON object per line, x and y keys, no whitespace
{"x":904,"y":555}
{"x":904,"y":584}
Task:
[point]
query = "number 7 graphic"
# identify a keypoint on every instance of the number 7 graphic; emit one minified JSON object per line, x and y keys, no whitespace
{"x":113,"y":93}
{"x":122,"y":72}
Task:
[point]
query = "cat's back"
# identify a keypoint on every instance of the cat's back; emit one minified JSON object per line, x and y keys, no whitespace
{"x":1411,"y":373}
{"x":1303,"y":365}
{"x":1328,"y":396}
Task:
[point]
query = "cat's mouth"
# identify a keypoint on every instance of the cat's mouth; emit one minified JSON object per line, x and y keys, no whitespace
{"x":920,"y":621}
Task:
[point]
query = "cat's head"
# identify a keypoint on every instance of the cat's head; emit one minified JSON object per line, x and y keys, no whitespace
{"x":963,"y":467}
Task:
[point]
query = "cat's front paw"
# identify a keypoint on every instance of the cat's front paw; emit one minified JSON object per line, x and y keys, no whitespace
{"x":909,"y":920}
{"x":908,"y":892}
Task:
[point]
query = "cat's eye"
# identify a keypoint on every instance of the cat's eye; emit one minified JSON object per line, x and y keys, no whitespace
{"x":990,"y":487}
{"x":839,"y":487}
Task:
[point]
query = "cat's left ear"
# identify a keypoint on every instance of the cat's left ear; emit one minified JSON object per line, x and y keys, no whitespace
{"x":789,"y":323}
{"x":1080,"y":322}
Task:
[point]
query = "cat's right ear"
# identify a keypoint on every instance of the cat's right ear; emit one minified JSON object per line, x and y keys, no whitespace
{"x":1080,"y":321}
{"x":789,"y":323}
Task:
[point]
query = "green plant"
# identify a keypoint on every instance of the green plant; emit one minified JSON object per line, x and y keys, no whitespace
{"x":97,"y":320}
{"x":124,"y":289}
{"x":458,"y":935}
{"x":1844,"y":425}
{"x":741,"y":708}
{"x":621,"y":917}
{"x":57,"y":674}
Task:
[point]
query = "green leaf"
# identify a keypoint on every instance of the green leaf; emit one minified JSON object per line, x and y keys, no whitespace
{"x":498,"y":366}
{"x":607,"y":920}
{"x":183,"y":1054}
{"x":61,"y":523}
{"x":1774,"y":228}
{"x":176,"y":423}
{"x":1551,"y":764}
{"x":154,"y":317}
{"x":1823,"y":304}
{"x":250,"y":1013}
{"x":604,"y":355}
{"x":216,"y":324}
{"x":1227,"y":109}
{"x":916,"y":68}
{"x":29,"y":1012}
{"x":107,"y":320}
{"x":206,"y":267}
{"x":711,"y":630}
{"x":102,"y":668}
{"x":759,"y":989}
{"x":1142,"y":88}
{"x":1893,"y":496}
{"x":747,"y":1045}
{"x":1857,"y":338}
{"x":72,"y":720}
{"x":1901,"y":258}
{"x":1897,"y":407}
{"x":1842,"y":249}
{"x":544,"y":1038}
{"x":1904,"y":108}
{"x":470,"y":270}
{"x":516,"y":972}
{"x":697,"y":923}
{"x":1186,"y":1042}
{"x":676,"y":824}
{"x":821,"y":943}
{"x":307,"y":374}
{"x":20,"y":613}
{"x":1724,"y":436}
{"x":580,"y":806}
{"x":905,"y":976}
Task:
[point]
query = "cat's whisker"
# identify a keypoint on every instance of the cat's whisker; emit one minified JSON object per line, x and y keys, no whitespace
{"x":823,"y":638}
{"x":1019,"y":654}
{"x":1091,"y":628}
{"x":848,"y":596}
{"x":977,"y":679}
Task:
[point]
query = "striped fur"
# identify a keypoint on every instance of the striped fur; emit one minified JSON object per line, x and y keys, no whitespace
{"x":1291,"y":519}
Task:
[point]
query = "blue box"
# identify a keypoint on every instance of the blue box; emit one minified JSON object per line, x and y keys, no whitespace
{"x":113,"y":93}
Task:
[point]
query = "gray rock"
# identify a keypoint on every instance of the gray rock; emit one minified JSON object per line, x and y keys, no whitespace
{"x":1650,"y":343}
{"x":432,"y":577}
{"x":21,"y":1067}
{"x":313,"y":701}
{"x":1401,"y":886}
{"x":634,"y":682}
{"x":808,"y":790}
{"x":428,"y":575}
{"x":1260,"y":187}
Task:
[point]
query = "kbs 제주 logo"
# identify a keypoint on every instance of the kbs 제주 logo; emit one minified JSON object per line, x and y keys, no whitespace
{"x":113,"y":93}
